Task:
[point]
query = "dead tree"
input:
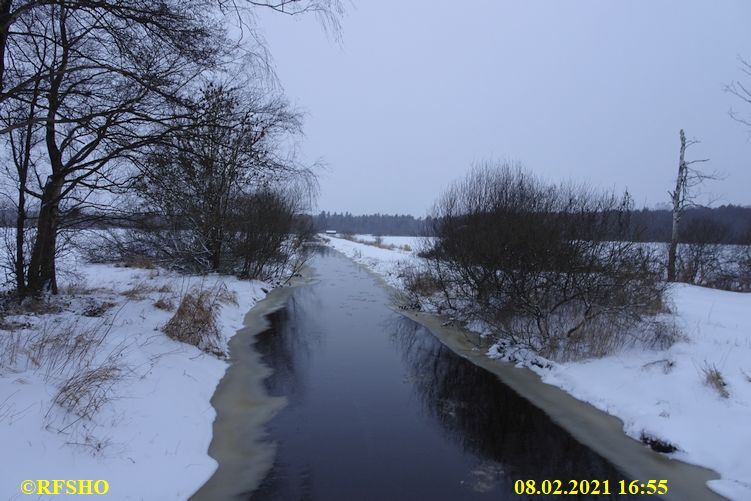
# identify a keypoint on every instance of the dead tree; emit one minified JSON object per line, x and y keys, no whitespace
{"x":683,"y":196}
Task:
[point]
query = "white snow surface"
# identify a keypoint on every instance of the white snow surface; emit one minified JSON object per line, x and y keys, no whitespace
{"x":150,"y":441}
{"x":661,"y":393}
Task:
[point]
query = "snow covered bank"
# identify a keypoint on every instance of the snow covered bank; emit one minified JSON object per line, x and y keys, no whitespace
{"x":149,"y":439}
{"x":384,"y":262}
{"x":661,"y":394}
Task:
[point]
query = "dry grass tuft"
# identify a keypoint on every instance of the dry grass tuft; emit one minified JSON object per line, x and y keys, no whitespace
{"x":195,"y":323}
{"x":138,"y":292}
{"x":164,"y":303}
{"x":35,"y":306}
{"x":12,"y":325}
{"x":54,"y":349}
{"x":87,"y":391}
{"x":713,"y":378}
{"x":420,"y":283}
{"x":98,"y":310}
{"x":76,"y":289}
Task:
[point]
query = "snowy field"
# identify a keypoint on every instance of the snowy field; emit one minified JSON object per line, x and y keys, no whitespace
{"x":661,"y":394}
{"x":149,"y":439}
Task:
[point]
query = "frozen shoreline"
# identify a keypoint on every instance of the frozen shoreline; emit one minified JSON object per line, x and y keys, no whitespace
{"x":149,"y":441}
{"x":674,"y":406}
{"x":243,"y":407}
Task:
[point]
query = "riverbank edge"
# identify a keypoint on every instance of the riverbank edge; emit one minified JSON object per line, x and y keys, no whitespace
{"x":601,"y":432}
{"x":597,"y":430}
{"x":243,"y":407}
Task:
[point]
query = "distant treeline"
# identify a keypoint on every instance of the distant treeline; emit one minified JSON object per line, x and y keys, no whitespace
{"x":373,"y":224}
{"x":730,"y":224}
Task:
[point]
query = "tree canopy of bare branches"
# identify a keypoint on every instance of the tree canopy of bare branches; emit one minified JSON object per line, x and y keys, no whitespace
{"x":546,"y":266}
{"x":224,"y":155}
{"x":742,"y":90}
{"x":89,"y":87}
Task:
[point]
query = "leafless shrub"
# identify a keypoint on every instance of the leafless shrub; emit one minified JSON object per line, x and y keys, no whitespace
{"x":265,"y":236}
{"x":661,"y":334}
{"x":702,"y":259}
{"x":551,"y":267}
{"x":713,"y":378}
{"x":742,"y":259}
{"x":747,"y":376}
{"x":195,"y":321}
{"x":129,"y":248}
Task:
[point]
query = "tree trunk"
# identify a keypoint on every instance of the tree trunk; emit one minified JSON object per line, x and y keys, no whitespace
{"x":20,"y":233}
{"x":41,"y":273}
{"x":678,"y":197}
{"x":5,"y":22}
{"x":215,"y":250}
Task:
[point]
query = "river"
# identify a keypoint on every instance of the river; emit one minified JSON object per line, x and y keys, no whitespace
{"x":342,"y":398}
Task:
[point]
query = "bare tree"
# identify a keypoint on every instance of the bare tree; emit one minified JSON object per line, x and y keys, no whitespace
{"x":684,"y":195}
{"x":742,"y":91}
{"x":100,"y":81}
{"x":178,"y":22}
{"x":23,"y":147}
{"x":232,"y":146}
{"x":102,"y":89}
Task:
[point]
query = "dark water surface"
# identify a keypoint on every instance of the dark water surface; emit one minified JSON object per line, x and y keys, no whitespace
{"x":379,"y":409}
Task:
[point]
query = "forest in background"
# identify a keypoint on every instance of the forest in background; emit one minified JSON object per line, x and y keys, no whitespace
{"x":726,"y":224}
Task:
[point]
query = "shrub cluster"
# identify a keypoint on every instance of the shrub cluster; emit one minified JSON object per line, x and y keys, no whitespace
{"x":551,"y":267}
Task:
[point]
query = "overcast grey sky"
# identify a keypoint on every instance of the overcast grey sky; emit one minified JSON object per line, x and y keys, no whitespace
{"x":587,"y":90}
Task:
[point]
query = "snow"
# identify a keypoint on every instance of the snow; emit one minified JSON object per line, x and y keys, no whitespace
{"x":150,"y":441}
{"x":384,"y":262}
{"x":660,"y":393}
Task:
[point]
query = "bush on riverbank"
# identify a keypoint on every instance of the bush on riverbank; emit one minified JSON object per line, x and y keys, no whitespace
{"x":553,"y":268}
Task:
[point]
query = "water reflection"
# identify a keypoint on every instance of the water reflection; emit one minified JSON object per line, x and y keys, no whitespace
{"x":510,"y":437}
{"x":380,"y":410}
{"x":287,"y":350}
